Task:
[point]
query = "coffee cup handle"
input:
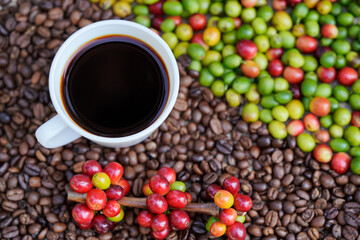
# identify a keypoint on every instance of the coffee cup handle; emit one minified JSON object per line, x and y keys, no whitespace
{"x":55,"y":133}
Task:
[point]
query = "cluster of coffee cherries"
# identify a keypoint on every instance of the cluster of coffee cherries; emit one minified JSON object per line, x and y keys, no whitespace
{"x":104,"y":187}
{"x":229,"y":221}
{"x":164,"y":191}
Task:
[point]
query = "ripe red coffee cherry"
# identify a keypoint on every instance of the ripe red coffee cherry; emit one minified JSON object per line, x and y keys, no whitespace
{"x":329,"y":31}
{"x":242,"y":202}
{"x":156,"y":203}
{"x":179,"y":219}
{"x":102,"y":224}
{"x":212,"y":190}
{"x":160,"y":235}
{"x":157,"y":8}
{"x":168,"y":173}
{"x":340,"y":162}
{"x":112,"y":208}
{"x":306,"y":44}
{"x":231,"y":184}
{"x":96,"y":199}
{"x":125,"y":185}
{"x":177,"y":199}
{"x":293,"y":75}
{"x":159,"y":223}
{"x":274,"y":53}
{"x":228,"y":216}
{"x":326,"y":75}
{"x":91,"y":167}
{"x":115,"y":171}
{"x":246,"y":49}
{"x":197,"y":21}
{"x":347,"y":76}
{"x":82,"y":214}
{"x":275,"y":68}
{"x":159,"y":184}
{"x":115,"y":192}
{"x":81,"y":183}
{"x":236,"y":231}
{"x":144,"y":218}
{"x":85,"y":226}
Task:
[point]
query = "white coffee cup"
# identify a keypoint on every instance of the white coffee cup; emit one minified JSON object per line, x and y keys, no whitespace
{"x":62,"y":129}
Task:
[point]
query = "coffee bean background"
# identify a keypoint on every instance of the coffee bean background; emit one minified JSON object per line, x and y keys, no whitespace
{"x":203,"y":140}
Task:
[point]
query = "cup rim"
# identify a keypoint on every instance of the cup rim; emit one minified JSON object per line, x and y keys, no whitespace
{"x":173,"y":81}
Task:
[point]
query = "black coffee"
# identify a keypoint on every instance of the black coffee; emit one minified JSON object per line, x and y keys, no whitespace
{"x":115,"y":86}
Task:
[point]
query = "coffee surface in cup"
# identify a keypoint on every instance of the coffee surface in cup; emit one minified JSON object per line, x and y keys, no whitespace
{"x":115,"y":86}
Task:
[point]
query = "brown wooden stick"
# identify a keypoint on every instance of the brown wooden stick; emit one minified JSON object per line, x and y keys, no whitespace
{"x":205,"y":208}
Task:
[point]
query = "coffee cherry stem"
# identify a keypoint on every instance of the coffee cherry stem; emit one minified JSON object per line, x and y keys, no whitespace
{"x":205,"y":208}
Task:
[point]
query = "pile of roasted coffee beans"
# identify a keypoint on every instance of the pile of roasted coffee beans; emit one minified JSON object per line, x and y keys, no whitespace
{"x":204,"y":140}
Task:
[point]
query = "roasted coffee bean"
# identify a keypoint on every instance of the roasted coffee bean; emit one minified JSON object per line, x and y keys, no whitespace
{"x":278,"y":172}
{"x":276,"y":205}
{"x":33,"y":198}
{"x":184,"y":60}
{"x":6,"y":221}
{"x":15,"y":194}
{"x":308,"y":215}
{"x":318,"y":221}
{"x":272,"y":193}
{"x":264,"y":141}
{"x":303,"y":194}
{"x":32,"y":170}
{"x":350,"y":189}
{"x":254,"y":230}
{"x":287,"y":180}
{"x":25,"y":219}
{"x":277,"y":156}
{"x":338,"y":202}
{"x":4,"y":118}
{"x":331,"y":213}
{"x":2,"y":185}
{"x":336,"y":231}
{"x":10,"y":232}
{"x":224,"y":146}
{"x":302,"y":236}
{"x":259,"y":187}
{"x":9,"y":206}
{"x":59,"y":227}
{"x":281,"y":232}
{"x":257,"y":205}
{"x":301,"y":222}
{"x":327,"y":181}
{"x":184,"y":176}
{"x":289,"y":207}
{"x":352,"y":219}
{"x":271,"y":219}
{"x":245,"y":142}
{"x":210,"y":178}
{"x":350,"y":233}
{"x":313,"y":233}
{"x":321,"y":203}
{"x":294,"y":228}
{"x":352,"y":207}
{"x":198,"y":227}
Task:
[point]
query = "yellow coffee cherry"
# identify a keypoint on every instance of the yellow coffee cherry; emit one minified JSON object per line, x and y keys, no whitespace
{"x":122,"y":9}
